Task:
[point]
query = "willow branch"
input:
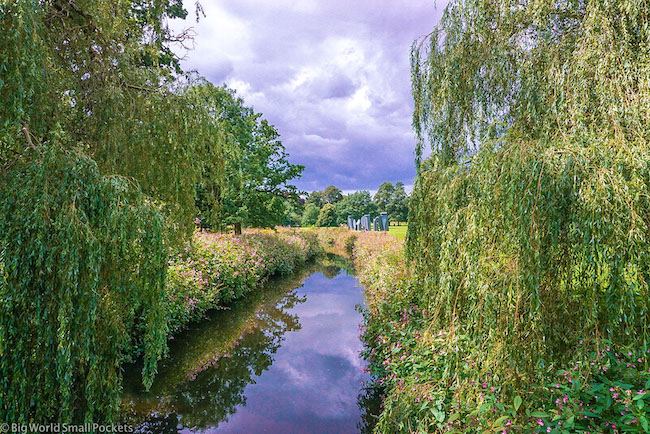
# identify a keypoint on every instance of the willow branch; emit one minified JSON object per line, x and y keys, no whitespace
{"x":28,"y":137}
{"x":19,"y":155}
{"x":145,"y":89}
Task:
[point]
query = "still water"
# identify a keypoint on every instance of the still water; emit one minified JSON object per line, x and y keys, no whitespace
{"x":282,"y":360}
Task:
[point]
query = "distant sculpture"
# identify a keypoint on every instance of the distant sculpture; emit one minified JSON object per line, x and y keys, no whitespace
{"x":384,"y":221}
{"x":379,"y":223}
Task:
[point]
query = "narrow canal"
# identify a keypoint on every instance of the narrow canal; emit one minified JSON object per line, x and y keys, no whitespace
{"x":284,"y":359}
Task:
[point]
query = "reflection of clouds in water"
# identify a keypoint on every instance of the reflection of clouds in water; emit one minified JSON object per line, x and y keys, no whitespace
{"x":329,"y":320}
{"x":292,"y":365}
{"x":314,"y":381}
{"x":322,"y":360}
{"x":330,"y":335}
{"x":329,"y":385}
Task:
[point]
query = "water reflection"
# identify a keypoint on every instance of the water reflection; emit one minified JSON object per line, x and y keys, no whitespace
{"x":281,"y":360}
{"x":369,"y":402}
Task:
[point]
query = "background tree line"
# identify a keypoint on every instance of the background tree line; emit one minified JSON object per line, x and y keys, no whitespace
{"x":330,"y":207}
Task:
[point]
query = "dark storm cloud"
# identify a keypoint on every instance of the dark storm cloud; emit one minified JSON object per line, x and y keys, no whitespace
{"x":332,"y":76}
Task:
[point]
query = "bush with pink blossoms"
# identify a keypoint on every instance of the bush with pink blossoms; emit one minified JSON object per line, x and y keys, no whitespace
{"x":219,"y":268}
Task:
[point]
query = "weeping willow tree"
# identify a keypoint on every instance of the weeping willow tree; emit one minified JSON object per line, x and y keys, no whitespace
{"x":101,"y":147}
{"x":529,"y":224}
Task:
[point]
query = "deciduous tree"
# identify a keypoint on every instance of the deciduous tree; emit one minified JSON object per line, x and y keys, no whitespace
{"x":355,"y":204}
{"x":397,"y":206}
{"x":256,"y":166}
{"x":310,"y":215}
{"x":332,"y":195}
{"x":327,"y":216}
{"x":383,"y":196}
{"x":316,"y":198}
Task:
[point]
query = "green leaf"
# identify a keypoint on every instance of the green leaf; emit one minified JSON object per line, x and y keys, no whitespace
{"x":596,"y":387}
{"x":517,"y":402}
{"x":644,"y":395}
{"x":439,"y":415}
{"x":499,"y":421}
{"x":569,"y":422}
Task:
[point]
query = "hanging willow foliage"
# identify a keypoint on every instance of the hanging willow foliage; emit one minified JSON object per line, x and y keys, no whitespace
{"x":529,"y":226}
{"x":75,"y":282}
{"x":95,"y":74}
{"x":101,"y":148}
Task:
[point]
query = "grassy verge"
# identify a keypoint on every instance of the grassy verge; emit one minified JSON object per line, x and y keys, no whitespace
{"x":398,"y":232}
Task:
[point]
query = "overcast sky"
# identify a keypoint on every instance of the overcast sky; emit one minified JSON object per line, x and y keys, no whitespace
{"x":333,"y":76}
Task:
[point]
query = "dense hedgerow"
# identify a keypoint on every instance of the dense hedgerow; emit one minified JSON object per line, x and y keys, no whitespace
{"x":219,"y":268}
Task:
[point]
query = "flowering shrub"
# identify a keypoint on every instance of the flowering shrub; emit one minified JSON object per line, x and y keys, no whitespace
{"x":191,"y":290}
{"x":606,"y":393}
{"x":219,"y":268}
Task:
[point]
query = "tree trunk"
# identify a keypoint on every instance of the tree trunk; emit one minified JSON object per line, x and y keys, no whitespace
{"x":238,"y":228}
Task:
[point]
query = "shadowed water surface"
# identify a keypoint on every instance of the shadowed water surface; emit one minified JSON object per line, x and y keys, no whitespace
{"x":282,"y":360}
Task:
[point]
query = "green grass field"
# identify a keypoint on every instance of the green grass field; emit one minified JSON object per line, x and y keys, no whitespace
{"x":398,"y":231}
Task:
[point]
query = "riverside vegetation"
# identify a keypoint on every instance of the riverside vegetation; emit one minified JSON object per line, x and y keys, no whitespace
{"x":520,"y":305}
{"x":525,"y":305}
{"x":108,"y":154}
{"x":436,"y":379}
{"x":220,"y":268}
{"x":212,"y":271}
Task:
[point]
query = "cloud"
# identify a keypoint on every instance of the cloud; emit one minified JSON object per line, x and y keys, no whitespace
{"x":316,"y":375}
{"x":332,"y":76}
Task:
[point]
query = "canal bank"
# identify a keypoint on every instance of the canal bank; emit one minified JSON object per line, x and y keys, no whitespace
{"x":282,"y":359}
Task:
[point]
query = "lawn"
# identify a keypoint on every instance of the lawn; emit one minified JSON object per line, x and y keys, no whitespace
{"x":398,"y":231}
